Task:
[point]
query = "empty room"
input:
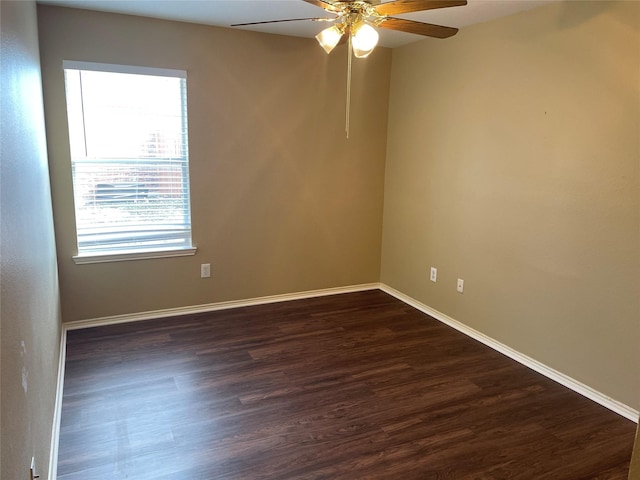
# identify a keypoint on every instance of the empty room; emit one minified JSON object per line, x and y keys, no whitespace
{"x":307,"y":239}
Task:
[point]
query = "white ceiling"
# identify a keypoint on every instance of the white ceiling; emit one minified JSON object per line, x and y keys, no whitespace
{"x":223,"y":13}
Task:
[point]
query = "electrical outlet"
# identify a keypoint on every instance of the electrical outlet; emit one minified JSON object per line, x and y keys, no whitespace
{"x":205,"y":270}
{"x":434,"y":274}
{"x":460,"y":287}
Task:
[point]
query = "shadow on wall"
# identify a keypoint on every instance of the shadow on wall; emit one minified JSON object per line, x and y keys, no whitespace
{"x":573,"y":15}
{"x":570,"y":15}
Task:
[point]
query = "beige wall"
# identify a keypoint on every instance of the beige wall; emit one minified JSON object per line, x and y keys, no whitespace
{"x":29,"y":304}
{"x":281,"y":201}
{"x":513,"y":162}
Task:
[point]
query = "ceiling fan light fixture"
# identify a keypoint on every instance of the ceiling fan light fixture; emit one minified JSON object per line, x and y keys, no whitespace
{"x":329,"y":38}
{"x":364,"y":39}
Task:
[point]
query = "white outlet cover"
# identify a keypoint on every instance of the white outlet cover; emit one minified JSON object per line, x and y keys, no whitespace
{"x":205,"y":270}
{"x":460,"y":286}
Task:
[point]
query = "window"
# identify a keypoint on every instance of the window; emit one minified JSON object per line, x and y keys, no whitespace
{"x":130,"y":162}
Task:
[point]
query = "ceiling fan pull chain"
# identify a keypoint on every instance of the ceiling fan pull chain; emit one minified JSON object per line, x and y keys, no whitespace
{"x":350,"y":54}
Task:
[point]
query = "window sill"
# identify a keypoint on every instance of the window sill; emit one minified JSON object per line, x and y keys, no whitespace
{"x":142,"y":255}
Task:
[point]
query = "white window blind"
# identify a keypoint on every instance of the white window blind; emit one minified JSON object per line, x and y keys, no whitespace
{"x":129,"y":157}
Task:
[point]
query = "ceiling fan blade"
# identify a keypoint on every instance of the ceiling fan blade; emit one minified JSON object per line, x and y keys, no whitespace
{"x":420,"y":28}
{"x":405,"y":6}
{"x":286,"y":20}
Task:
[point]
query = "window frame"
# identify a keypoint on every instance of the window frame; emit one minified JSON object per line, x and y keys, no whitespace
{"x":139,"y":253}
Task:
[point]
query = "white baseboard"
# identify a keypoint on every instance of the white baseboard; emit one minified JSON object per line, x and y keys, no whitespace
{"x":57,"y":409}
{"x":576,"y":386}
{"x":579,"y":387}
{"x":211,"y":307}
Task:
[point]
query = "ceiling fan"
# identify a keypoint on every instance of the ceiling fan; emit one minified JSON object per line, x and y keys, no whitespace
{"x":356,"y":19}
{"x":355,"y":22}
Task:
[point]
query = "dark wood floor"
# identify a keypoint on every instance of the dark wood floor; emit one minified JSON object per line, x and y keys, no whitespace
{"x":353,"y":386}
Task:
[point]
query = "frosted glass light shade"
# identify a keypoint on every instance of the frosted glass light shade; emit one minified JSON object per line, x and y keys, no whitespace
{"x":364,"y":40}
{"x":329,"y":38}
